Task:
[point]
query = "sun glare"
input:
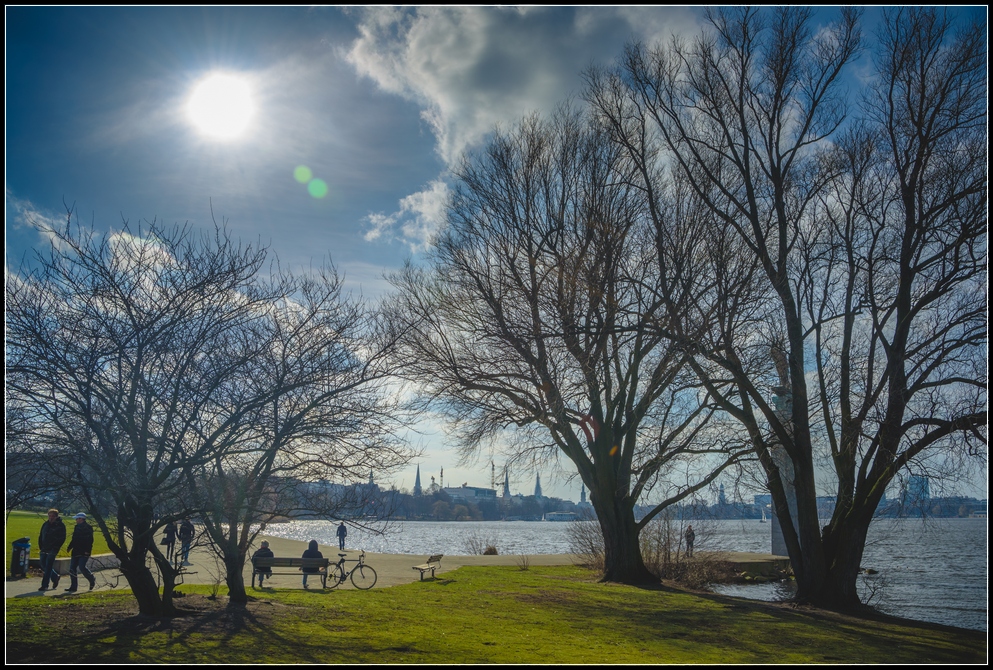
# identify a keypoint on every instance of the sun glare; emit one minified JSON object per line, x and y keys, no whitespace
{"x":221,"y":106}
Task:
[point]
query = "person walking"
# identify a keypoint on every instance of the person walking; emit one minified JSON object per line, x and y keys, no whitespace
{"x":80,"y":547}
{"x":186,"y":534}
{"x":169,"y":539}
{"x":50,"y":541}
{"x":690,"y":537}
{"x":262,"y":552}
{"x":342,"y":532}
{"x":312,"y":552}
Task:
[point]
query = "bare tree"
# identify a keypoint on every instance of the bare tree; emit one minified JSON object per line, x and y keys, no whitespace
{"x":113,"y":347}
{"x":535,"y":325}
{"x":329,"y":421}
{"x":148,"y":362}
{"x":870,"y":242}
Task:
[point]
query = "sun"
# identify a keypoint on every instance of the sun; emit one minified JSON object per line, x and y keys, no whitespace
{"x":221,"y":106}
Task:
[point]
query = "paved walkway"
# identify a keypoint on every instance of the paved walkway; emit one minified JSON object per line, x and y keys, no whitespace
{"x":391,"y":569}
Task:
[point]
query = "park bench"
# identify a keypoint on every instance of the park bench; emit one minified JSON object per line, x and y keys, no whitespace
{"x":433,"y":563}
{"x":265,"y":565}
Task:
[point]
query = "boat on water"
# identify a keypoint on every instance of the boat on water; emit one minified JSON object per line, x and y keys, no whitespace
{"x":561,"y":516}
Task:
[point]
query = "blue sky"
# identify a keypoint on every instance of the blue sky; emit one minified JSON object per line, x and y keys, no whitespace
{"x":376,"y":102}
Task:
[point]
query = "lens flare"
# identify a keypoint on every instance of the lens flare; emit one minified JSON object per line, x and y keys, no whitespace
{"x":317,"y":188}
{"x":303,"y":174}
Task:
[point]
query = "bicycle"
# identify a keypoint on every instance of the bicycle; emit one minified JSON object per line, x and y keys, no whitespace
{"x":363,"y":576}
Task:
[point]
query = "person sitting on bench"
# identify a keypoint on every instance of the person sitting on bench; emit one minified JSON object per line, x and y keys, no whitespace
{"x":312,"y":552}
{"x":263,"y":552}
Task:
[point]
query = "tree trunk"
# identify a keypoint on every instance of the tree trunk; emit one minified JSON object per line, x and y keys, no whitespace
{"x":844,"y":545}
{"x":144,"y":586}
{"x":622,"y":550}
{"x":234,"y":565}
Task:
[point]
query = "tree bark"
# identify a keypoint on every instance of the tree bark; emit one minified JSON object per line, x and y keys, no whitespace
{"x":622,"y":550}
{"x":143,"y":584}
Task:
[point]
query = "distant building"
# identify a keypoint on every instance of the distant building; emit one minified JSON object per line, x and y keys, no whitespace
{"x":417,"y":482}
{"x":537,"y":486}
{"x":471,"y":494}
{"x":915,"y":496}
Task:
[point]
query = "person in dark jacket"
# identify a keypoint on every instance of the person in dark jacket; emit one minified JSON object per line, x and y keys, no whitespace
{"x":312,"y":552}
{"x":690,"y":538}
{"x":80,"y":547}
{"x":169,"y":538}
{"x":263,"y":552}
{"x":342,"y":532}
{"x":186,"y":533}
{"x":50,"y":541}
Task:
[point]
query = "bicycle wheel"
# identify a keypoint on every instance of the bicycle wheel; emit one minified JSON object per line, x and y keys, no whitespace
{"x":363,"y":577}
{"x":336,"y":576}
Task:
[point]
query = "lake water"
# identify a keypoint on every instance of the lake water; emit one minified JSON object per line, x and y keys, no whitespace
{"x":934,"y":571}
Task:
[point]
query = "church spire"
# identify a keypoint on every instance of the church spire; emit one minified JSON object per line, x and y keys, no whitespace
{"x":506,"y":482}
{"x":417,"y":481}
{"x":537,"y":486}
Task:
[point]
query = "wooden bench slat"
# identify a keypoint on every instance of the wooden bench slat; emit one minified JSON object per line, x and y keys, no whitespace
{"x":433,"y":563}
{"x":287,"y":562}
{"x":264,"y":565}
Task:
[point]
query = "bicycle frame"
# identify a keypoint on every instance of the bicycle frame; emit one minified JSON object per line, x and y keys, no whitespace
{"x":339,"y":573}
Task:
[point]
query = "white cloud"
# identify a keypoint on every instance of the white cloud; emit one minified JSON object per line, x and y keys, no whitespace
{"x":22,"y":213}
{"x":470,"y":69}
{"x":420,"y":216}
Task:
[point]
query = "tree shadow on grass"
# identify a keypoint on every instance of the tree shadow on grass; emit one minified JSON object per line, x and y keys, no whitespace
{"x":857,"y":626}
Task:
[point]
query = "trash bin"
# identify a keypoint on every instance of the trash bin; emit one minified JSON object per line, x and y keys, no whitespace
{"x":19,"y":557}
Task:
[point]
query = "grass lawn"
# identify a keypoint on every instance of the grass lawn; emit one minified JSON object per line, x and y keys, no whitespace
{"x":471,"y":615}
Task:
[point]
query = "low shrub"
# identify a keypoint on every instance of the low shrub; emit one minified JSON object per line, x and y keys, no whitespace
{"x":662,"y":550}
{"x":475,"y":544}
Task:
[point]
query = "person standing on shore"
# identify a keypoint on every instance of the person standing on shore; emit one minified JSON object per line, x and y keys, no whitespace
{"x":80,"y":548}
{"x":342,"y":532}
{"x":690,"y":537}
{"x":50,"y":541}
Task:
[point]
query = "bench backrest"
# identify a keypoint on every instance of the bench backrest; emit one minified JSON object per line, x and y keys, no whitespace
{"x":436,"y":558}
{"x":287,"y":562}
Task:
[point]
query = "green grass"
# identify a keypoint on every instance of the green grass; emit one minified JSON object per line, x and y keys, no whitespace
{"x":28,"y":524}
{"x":485,"y":615}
